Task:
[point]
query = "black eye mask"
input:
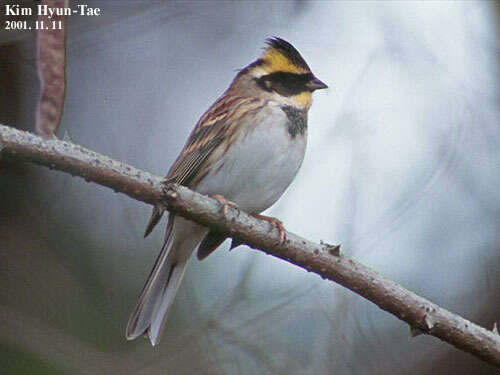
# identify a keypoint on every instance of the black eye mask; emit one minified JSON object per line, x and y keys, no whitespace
{"x":286,"y":84}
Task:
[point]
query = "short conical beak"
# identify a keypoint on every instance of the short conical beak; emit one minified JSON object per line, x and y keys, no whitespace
{"x":316,"y":84}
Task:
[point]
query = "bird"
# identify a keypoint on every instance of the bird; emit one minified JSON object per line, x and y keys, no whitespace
{"x":244,"y":151}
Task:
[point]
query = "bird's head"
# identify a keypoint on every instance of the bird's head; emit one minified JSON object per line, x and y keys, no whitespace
{"x":281,"y":73}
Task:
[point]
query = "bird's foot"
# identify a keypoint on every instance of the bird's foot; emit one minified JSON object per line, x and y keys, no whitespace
{"x":225,"y":203}
{"x":276,"y":223}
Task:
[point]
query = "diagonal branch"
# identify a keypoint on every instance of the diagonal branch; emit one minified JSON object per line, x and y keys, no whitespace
{"x":324,"y":260}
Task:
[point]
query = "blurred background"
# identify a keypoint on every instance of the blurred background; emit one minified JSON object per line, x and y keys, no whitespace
{"x":402,"y":169}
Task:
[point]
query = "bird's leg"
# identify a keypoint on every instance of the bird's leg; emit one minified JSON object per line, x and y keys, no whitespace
{"x":275,"y":222}
{"x":225,"y":203}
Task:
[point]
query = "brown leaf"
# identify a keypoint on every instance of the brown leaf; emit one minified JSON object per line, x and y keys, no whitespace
{"x":51,"y":62}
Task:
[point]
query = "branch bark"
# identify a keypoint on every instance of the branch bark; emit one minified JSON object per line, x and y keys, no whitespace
{"x":324,"y":260}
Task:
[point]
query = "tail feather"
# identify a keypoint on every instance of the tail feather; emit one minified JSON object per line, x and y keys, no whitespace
{"x":157,"y":296}
{"x":164,"y":304}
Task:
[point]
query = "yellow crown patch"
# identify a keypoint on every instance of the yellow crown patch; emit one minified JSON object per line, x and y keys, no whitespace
{"x":275,"y":61}
{"x":281,"y":56}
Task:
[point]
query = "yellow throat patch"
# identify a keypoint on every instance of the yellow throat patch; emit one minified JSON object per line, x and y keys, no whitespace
{"x":304,"y":99}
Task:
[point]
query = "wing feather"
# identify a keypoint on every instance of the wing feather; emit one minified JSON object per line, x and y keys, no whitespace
{"x":217,"y":124}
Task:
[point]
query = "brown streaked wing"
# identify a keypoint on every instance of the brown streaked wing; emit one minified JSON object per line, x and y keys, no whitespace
{"x":209,"y":132}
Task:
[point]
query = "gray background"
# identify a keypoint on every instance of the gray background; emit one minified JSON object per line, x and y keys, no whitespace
{"x":402,"y":169}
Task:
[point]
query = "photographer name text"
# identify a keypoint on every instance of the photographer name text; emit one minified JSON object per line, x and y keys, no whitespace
{"x":45,"y":10}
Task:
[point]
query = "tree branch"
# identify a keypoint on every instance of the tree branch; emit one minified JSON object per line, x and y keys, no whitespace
{"x":324,"y":260}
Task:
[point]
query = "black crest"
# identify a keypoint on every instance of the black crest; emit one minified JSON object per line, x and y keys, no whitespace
{"x":289,"y":51}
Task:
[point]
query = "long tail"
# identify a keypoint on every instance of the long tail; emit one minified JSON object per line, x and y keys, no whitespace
{"x":157,"y":296}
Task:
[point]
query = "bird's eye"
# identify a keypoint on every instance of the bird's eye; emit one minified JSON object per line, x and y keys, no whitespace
{"x":265,"y":83}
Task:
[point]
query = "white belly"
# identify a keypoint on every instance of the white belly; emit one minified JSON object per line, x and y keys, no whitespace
{"x":259,"y":167}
